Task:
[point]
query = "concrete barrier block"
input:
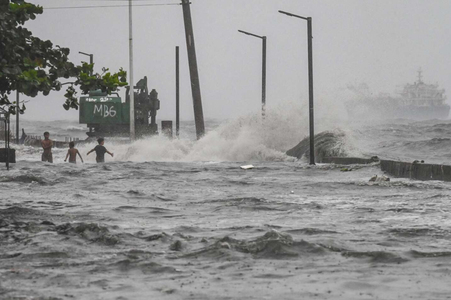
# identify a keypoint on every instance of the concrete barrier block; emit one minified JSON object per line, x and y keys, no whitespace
{"x":446,"y":171}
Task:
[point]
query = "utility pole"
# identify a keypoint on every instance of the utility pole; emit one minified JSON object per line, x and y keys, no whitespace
{"x":177,"y":91}
{"x":131,"y":84}
{"x":193,"y":70}
{"x":17,"y":117}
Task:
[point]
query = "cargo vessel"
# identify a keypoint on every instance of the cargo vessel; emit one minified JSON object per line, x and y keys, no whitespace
{"x":417,"y":101}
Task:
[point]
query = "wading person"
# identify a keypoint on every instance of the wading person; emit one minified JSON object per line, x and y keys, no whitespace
{"x":100,"y":151}
{"x":47,"y":145}
{"x":72,"y":154}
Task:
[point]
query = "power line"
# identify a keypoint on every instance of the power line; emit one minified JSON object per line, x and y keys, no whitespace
{"x":108,"y":6}
{"x":116,"y":0}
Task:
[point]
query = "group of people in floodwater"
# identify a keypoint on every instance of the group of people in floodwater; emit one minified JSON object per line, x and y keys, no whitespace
{"x":47,"y":145}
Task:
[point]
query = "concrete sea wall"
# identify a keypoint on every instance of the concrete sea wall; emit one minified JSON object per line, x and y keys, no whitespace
{"x":418,"y":171}
{"x":346,"y":160}
{"x":328,"y":149}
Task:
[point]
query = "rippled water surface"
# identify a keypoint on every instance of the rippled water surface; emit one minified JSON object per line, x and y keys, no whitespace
{"x":179,"y":219}
{"x":213,"y":231}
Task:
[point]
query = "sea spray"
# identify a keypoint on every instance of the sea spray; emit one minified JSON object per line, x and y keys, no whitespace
{"x":247,"y":138}
{"x":243,"y":139}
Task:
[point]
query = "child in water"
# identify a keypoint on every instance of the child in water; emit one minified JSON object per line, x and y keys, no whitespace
{"x":72,"y":154}
{"x":100,"y":151}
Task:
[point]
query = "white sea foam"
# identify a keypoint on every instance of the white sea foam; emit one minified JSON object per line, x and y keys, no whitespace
{"x":76,"y":128}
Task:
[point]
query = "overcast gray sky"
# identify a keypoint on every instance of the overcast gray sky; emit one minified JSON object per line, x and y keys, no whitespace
{"x":380,"y":42}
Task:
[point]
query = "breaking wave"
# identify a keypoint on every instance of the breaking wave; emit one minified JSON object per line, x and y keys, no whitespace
{"x":272,"y":245}
{"x":244,"y":139}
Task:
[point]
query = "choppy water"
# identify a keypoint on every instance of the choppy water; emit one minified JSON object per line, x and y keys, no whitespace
{"x":178,"y":219}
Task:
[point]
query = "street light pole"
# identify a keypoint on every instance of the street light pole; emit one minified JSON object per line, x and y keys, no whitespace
{"x":263,"y":38}
{"x":177,"y":91}
{"x":264,"y":78}
{"x":91,"y":59}
{"x":310,"y":80}
{"x":131,"y":84}
{"x":310,"y":77}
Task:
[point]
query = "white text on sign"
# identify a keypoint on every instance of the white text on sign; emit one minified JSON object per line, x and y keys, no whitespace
{"x":104,"y":111}
{"x":101,"y":99}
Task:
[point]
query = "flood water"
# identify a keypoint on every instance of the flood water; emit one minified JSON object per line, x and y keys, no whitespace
{"x":179,"y":219}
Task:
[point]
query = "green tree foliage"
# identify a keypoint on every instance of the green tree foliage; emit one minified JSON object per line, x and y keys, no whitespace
{"x":32,"y":66}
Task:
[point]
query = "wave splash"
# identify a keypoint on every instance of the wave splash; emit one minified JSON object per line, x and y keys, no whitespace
{"x":244,"y":139}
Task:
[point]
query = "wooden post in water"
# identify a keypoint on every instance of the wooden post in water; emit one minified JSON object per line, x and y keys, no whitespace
{"x":17,"y":117}
{"x":193,"y":70}
{"x":7,"y":138}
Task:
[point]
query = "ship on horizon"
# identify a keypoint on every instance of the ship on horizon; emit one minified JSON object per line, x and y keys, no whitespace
{"x":417,"y":101}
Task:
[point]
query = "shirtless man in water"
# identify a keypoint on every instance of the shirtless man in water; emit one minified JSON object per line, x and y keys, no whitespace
{"x":47,"y":145}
